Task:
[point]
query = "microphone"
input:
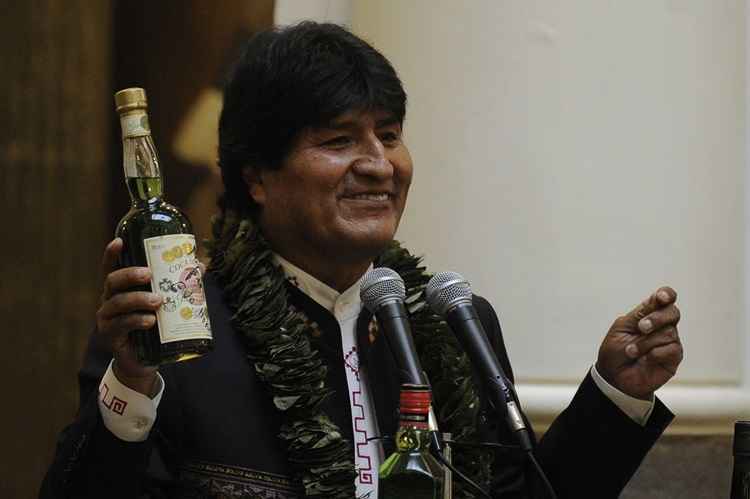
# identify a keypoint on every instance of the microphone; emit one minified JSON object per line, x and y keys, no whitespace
{"x":383,"y":293}
{"x":449,"y":294}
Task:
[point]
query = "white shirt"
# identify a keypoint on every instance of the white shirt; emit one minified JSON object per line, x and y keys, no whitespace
{"x":346,"y":307}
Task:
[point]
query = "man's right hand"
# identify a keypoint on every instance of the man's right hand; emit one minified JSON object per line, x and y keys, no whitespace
{"x":123,"y":310}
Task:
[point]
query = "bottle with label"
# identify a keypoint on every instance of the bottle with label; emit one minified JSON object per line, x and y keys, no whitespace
{"x":412,"y":471}
{"x":159,"y":236}
{"x":741,"y":450}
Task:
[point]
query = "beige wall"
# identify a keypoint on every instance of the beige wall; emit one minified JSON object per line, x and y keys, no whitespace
{"x":294,"y":11}
{"x":570,"y":158}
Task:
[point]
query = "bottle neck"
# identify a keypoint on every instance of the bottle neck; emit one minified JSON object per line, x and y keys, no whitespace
{"x":413,"y":433}
{"x":140,"y":161}
{"x":411,"y":438}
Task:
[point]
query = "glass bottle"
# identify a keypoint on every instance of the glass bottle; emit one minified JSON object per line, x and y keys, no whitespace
{"x":741,"y":451}
{"x":157,"y":235}
{"x":411,"y":471}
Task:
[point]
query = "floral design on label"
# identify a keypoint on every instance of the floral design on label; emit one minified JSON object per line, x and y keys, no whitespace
{"x":176,"y":276}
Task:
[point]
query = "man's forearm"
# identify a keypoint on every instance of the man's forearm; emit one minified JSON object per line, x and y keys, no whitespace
{"x":593,"y":448}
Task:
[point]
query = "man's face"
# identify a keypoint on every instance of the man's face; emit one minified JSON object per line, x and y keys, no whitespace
{"x":340,"y":191}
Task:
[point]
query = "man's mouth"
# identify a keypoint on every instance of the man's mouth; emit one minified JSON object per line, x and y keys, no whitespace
{"x":371,"y":196}
{"x":380,"y":196}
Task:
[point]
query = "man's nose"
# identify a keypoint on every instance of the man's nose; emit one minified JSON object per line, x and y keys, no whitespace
{"x":372,"y":160}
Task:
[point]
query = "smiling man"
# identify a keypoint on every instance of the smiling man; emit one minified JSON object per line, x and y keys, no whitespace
{"x":340,"y":190}
{"x":300,"y":383}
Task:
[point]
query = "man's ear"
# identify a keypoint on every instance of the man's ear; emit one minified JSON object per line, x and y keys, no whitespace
{"x":254,"y":182}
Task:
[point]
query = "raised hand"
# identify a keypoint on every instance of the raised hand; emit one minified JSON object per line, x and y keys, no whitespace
{"x":123,"y":310}
{"x":642,"y":349}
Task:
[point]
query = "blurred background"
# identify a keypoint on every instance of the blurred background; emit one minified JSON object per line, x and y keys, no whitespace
{"x":570,"y":158}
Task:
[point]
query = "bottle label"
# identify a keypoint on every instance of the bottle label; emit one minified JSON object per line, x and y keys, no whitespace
{"x":135,"y":124}
{"x":176,"y":276}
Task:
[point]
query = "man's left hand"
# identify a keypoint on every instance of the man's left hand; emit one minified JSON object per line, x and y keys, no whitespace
{"x":642,"y":349}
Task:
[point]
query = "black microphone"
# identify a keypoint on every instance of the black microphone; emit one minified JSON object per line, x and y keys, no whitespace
{"x":450,"y":296}
{"x":383,"y":293}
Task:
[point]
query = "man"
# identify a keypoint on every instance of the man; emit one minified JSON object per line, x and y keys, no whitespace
{"x":316,"y":177}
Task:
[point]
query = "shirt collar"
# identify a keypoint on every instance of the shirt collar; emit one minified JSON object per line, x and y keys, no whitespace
{"x":341,"y":305}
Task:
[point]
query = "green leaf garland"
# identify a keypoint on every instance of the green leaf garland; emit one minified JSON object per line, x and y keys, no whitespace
{"x":278,"y":342}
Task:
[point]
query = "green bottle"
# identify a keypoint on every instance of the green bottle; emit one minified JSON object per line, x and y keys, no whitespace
{"x":159,"y":236}
{"x":412,"y":472}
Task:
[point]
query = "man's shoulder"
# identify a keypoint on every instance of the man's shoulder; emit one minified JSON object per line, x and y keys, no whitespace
{"x":213,"y":289}
{"x":218,"y":309}
{"x":482,"y":305}
{"x":486,"y":312}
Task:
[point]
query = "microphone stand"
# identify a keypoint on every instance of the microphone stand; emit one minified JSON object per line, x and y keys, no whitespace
{"x":505,"y":396}
{"x":442,"y":452}
{"x":448,"y":455}
{"x":440,"y":449}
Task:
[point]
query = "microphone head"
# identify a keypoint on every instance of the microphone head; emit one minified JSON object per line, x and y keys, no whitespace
{"x":381,"y":285}
{"x":447,"y":290}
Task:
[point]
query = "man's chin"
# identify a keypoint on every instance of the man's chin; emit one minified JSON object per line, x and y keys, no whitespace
{"x":369,"y":246}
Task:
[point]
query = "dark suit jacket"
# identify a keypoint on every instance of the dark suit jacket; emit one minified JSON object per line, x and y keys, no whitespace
{"x":216,"y":430}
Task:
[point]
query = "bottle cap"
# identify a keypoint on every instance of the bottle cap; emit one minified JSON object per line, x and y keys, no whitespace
{"x":741,"y":438}
{"x":415,"y":399}
{"x":130,"y":98}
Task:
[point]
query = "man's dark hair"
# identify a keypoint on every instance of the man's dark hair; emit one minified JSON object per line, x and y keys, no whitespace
{"x":288,"y":79}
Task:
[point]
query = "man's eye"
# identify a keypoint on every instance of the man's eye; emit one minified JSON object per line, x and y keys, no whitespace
{"x":338,"y":142}
{"x":390,"y":138}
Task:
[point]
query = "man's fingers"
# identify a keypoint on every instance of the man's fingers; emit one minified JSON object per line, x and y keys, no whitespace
{"x":125,"y":279}
{"x":124,"y":303}
{"x":663,"y":317}
{"x":646,"y":344}
{"x":660,"y":298}
{"x":123,"y":324}
{"x":668,"y":356}
{"x":111,"y":255}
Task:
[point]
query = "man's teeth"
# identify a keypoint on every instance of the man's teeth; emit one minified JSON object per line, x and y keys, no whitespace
{"x":371,"y":197}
